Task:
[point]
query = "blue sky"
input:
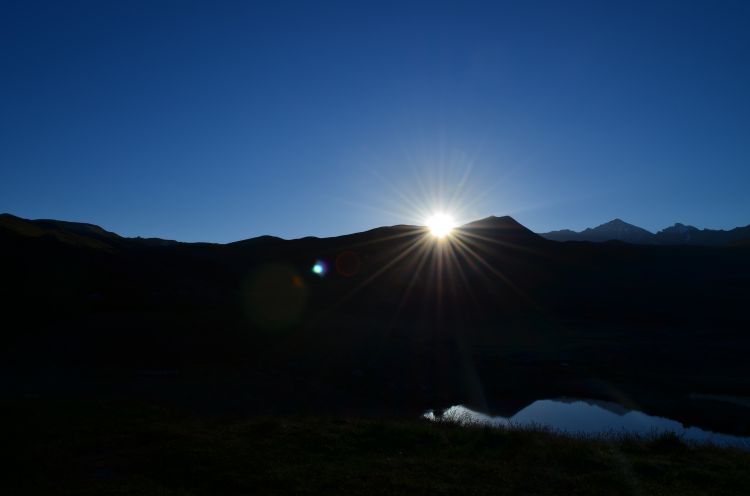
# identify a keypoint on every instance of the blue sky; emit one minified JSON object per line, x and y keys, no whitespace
{"x":220,"y":121}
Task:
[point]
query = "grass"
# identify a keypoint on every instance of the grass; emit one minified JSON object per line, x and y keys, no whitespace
{"x":110,"y":448}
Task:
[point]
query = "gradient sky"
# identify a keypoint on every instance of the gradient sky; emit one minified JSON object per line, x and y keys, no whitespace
{"x":220,"y":121}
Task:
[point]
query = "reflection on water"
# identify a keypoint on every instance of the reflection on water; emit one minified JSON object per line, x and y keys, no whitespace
{"x":587,"y":417}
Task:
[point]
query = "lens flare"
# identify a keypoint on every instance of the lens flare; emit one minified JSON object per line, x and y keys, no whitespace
{"x":320,"y":268}
{"x":441,"y":225}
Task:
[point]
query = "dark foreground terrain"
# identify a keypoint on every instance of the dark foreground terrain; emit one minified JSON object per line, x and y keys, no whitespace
{"x":82,"y":448}
{"x":396,"y":323}
{"x":493,"y":317}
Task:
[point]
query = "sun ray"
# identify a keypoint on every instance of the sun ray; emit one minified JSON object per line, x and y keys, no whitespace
{"x":453,"y":257}
{"x":474,"y":236}
{"x":419,"y":266}
{"x":497,"y":273}
{"x":384,"y":268}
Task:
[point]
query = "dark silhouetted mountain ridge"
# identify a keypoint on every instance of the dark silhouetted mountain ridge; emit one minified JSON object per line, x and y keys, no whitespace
{"x":614,"y":230}
{"x":677,"y":234}
{"x":395,"y":318}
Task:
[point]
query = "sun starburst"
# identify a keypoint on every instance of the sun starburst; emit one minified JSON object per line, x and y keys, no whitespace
{"x":441,"y":224}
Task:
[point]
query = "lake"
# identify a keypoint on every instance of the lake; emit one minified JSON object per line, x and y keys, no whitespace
{"x":582,"y":416}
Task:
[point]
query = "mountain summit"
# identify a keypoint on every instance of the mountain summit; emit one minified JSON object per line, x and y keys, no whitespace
{"x":503,"y":230}
{"x":677,"y":234}
{"x":616,"y":229}
{"x":680,"y":234}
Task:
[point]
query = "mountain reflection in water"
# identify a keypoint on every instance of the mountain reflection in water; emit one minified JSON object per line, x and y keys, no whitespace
{"x":574,"y":416}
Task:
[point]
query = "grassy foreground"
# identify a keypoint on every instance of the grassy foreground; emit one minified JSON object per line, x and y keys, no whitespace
{"x":94,"y":448}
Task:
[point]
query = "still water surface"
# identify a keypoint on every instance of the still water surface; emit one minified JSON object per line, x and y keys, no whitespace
{"x":576,"y":416}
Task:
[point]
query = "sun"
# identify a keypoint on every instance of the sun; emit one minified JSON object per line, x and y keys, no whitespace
{"x":440,"y":224}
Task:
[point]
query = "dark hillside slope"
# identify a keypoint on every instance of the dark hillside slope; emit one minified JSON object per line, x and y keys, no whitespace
{"x":398,"y":320}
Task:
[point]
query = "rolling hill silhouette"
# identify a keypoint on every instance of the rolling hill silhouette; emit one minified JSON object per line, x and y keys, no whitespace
{"x":395,"y":321}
